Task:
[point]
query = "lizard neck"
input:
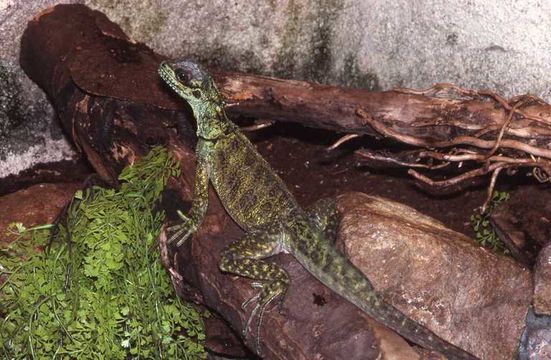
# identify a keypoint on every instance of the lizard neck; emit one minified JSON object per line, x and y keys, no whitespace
{"x":212,"y":122}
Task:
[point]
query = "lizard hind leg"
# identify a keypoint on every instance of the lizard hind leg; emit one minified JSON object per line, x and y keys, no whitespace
{"x":245,"y":258}
{"x":324,"y":216}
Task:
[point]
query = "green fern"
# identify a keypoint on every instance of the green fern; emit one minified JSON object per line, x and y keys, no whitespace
{"x":485,"y":235}
{"x":104,"y":294}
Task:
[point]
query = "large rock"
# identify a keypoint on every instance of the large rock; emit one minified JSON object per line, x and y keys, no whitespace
{"x":437,"y":276}
{"x":29,"y":134}
{"x":36,"y":205}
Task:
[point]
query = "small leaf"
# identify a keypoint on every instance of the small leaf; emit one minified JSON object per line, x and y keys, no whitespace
{"x":125,"y":310}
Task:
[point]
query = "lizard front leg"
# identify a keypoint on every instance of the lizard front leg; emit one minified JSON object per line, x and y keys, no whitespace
{"x":198,"y":210}
{"x":244,"y":258}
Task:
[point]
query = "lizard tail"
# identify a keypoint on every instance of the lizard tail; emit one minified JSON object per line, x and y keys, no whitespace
{"x":339,"y":274}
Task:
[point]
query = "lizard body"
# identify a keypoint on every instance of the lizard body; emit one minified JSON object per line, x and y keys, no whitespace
{"x":260,"y":203}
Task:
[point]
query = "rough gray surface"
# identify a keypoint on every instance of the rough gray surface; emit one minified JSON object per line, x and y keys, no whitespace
{"x":536,"y":339}
{"x":29,"y":133}
{"x":376,"y":44}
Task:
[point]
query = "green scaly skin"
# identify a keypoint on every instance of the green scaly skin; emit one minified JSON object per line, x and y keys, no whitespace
{"x":260,"y":203}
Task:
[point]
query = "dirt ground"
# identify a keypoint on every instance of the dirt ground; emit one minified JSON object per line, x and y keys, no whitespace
{"x":312,"y":172}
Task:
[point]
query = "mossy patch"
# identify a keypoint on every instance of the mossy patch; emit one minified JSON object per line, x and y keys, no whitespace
{"x":485,"y":235}
{"x":306,"y":44}
{"x":352,"y":76}
{"x":287,"y":57}
{"x":319,"y":63}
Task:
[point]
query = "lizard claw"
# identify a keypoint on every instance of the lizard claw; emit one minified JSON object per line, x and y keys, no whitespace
{"x":182,"y":231}
{"x":245,"y":331}
{"x":257,"y":285}
{"x":249,"y":300}
{"x":182,"y":216}
{"x":181,"y":234}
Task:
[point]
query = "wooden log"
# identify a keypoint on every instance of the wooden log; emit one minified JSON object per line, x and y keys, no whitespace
{"x":420,"y":118}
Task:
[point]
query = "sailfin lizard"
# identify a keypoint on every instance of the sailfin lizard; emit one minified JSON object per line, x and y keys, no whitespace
{"x":260,"y":203}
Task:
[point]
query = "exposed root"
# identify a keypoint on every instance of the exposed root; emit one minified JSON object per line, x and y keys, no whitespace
{"x":342,"y":140}
{"x":259,"y":124}
{"x":509,"y":145}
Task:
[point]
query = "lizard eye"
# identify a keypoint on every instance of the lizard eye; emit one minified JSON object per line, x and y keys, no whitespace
{"x":183,"y":76}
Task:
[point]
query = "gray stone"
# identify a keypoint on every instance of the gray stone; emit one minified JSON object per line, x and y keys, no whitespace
{"x":476,"y":299}
{"x":29,"y":133}
{"x":536,"y":339}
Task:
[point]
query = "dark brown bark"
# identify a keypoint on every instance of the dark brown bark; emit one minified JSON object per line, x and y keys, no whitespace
{"x":426,"y":118}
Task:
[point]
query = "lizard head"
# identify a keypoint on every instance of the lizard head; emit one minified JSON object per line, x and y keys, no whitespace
{"x":194,"y":84}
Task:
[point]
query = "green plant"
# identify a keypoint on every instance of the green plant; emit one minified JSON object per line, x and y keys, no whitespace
{"x":485,"y":235}
{"x":103,"y":293}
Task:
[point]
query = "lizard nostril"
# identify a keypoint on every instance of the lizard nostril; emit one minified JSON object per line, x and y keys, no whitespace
{"x":196,"y":93}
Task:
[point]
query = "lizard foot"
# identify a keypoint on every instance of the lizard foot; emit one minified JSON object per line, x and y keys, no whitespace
{"x":246,"y":258}
{"x":255,"y":297}
{"x":268,"y":293}
{"x":182,"y":231}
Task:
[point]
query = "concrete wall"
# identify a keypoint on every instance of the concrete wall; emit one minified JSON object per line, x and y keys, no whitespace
{"x":377,"y":44}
